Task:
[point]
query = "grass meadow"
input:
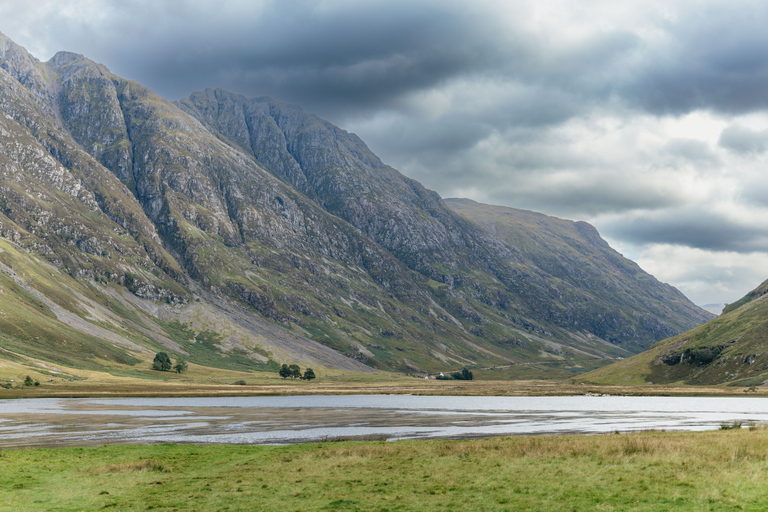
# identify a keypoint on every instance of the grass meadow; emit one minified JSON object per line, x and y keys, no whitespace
{"x":645,"y":471}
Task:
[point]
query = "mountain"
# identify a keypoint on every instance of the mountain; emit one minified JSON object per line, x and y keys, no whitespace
{"x":727,"y":350}
{"x":237,"y":232}
{"x":618,"y":301}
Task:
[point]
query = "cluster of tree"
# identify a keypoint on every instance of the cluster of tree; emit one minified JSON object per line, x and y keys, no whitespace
{"x":462,"y":375}
{"x":293,"y":371}
{"x":163,"y":363}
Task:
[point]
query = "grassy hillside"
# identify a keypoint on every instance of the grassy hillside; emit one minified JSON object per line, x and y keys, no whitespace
{"x":730,"y":349}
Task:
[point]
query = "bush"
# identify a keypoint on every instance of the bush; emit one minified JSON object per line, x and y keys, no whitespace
{"x":130,"y":282}
{"x":240,"y":383}
{"x":180,"y":366}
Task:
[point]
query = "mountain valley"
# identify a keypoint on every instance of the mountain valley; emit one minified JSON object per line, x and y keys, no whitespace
{"x":240,"y":233}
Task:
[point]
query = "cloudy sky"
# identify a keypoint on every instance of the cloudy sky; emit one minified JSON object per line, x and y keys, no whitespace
{"x":647,"y":119}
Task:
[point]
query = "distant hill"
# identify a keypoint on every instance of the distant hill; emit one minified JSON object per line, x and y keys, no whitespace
{"x":239,"y":232}
{"x":731,"y":349}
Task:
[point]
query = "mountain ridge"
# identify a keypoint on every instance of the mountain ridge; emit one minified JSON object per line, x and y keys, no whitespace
{"x":255,"y":205}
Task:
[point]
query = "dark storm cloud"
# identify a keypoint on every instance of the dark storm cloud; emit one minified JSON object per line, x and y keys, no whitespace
{"x":335,"y":56}
{"x":715,"y":56}
{"x":341,"y":58}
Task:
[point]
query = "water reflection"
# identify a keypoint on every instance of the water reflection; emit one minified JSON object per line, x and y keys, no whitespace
{"x":269,"y":420}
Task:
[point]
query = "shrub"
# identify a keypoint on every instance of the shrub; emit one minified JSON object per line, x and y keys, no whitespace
{"x":130,"y":282}
{"x":180,"y":366}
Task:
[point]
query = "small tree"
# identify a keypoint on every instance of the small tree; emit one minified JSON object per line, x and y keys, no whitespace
{"x":28,"y":381}
{"x":285,"y":372}
{"x":162,"y":362}
{"x":309,"y":374}
{"x":295,"y":371}
{"x":180,"y":366}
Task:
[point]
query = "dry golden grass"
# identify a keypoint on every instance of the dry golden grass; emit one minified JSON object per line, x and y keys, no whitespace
{"x":203,"y":381}
{"x":265,"y":384}
{"x":133,"y":466}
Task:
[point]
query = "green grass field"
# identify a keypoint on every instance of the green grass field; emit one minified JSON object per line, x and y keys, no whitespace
{"x":652,"y":471}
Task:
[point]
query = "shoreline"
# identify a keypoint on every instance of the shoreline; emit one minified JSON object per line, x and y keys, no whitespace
{"x":341,"y":386}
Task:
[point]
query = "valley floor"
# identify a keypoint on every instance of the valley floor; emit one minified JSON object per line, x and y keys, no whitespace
{"x":271,"y":384}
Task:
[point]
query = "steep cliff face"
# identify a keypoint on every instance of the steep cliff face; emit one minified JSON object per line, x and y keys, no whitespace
{"x":57,"y":198}
{"x":341,"y":173}
{"x":277,"y":212}
{"x":337,"y":170}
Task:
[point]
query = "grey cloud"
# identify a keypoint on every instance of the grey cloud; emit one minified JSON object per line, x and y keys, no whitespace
{"x":690,"y":150}
{"x":754,"y":191}
{"x":347,"y":58}
{"x":693,"y":227}
{"x":519,"y":119}
{"x":337,"y":58}
{"x":741,"y":139}
{"x":581,"y":200}
{"x":715,"y":57}
{"x":325,"y":57}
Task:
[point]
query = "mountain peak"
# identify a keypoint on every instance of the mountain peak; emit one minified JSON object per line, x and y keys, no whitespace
{"x":63,"y":58}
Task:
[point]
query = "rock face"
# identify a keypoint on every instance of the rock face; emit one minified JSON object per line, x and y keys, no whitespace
{"x":604,"y":293}
{"x":256,"y":205}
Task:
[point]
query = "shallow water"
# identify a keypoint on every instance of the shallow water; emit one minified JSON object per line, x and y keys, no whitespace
{"x":291,"y":419}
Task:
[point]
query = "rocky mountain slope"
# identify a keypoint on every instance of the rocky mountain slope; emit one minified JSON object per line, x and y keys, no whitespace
{"x":609,"y":295}
{"x":234,"y":231}
{"x":727,"y":350}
